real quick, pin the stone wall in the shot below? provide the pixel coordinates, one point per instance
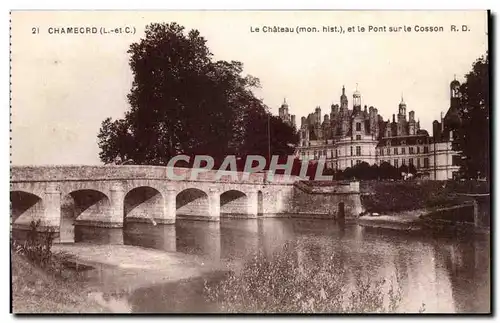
(321, 204)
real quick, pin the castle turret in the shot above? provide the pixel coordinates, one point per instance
(318, 115)
(343, 102)
(412, 129)
(335, 110)
(402, 110)
(356, 97)
(454, 91)
(283, 110)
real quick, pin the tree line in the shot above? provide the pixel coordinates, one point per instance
(473, 135)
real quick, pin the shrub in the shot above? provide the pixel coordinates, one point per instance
(282, 284)
(37, 246)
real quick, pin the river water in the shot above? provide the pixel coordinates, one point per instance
(436, 273)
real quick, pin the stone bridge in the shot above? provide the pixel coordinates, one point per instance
(108, 196)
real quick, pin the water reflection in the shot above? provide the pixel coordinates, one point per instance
(98, 235)
(447, 274)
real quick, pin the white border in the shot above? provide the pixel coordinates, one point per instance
(192, 5)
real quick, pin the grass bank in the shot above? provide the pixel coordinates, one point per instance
(385, 197)
(37, 290)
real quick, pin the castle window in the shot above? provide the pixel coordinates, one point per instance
(403, 161)
(410, 161)
(358, 162)
(426, 149)
(418, 162)
(411, 150)
(396, 163)
(382, 152)
(358, 151)
(336, 152)
(418, 149)
(426, 162)
(358, 137)
(358, 126)
(351, 163)
(388, 151)
(395, 150)
(403, 150)
(351, 150)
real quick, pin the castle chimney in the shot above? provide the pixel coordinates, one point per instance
(394, 118)
(442, 123)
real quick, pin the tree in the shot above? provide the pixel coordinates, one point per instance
(184, 102)
(387, 171)
(116, 141)
(472, 137)
(268, 132)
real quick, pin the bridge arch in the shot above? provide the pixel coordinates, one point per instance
(233, 203)
(81, 206)
(192, 202)
(143, 204)
(25, 207)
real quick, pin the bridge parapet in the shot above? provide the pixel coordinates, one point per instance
(82, 173)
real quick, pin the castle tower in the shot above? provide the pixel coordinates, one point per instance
(402, 110)
(283, 111)
(454, 92)
(343, 102)
(412, 129)
(335, 111)
(317, 115)
(452, 120)
(356, 100)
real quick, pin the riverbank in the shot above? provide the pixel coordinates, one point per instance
(389, 197)
(404, 220)
(34, 290)
(110, 273)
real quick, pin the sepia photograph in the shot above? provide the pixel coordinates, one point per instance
(250, 162)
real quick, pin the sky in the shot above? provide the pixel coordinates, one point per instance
(65, 85)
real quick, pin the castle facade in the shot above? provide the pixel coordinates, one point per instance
(348, 136)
